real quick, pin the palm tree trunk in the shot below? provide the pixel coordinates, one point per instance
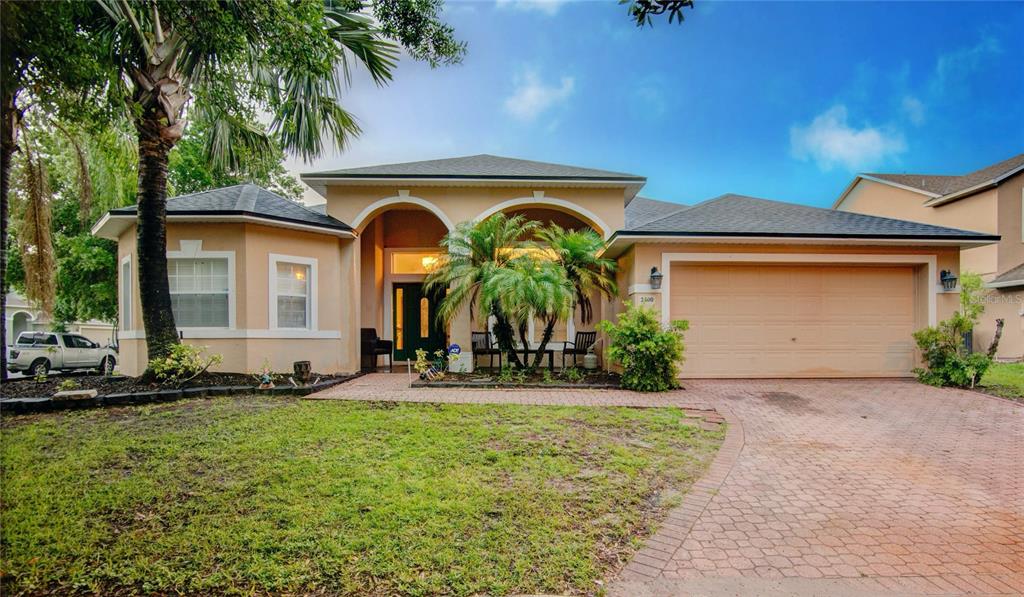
(549, 330)
(503, 334)
(154, 290)
(11, 120)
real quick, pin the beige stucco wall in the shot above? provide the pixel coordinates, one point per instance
(1006, 304)
(460, 204)
(994, 211)
(336, 301)
(1011, 245)
(978, 213)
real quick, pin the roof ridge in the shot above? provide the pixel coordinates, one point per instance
(687, 208)
(247, 197)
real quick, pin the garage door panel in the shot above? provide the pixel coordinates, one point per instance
(786, 320)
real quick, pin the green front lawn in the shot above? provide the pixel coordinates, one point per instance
(1005, 379)
(268, 495)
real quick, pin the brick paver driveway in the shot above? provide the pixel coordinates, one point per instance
(851, 487)
(871, 487)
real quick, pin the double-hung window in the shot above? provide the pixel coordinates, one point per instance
(293, 292)
(199, 292)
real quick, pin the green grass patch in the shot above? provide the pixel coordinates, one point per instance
(269, 495)
(1005, 379)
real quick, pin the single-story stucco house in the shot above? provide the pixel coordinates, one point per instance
(771, 289)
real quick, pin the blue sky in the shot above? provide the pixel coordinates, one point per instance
(778, 100)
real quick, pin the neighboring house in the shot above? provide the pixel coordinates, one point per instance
(770, 288)
(989, 200)
(22, 316)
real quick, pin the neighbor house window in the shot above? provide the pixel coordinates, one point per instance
(199, 292)
(126, 293)
(292, 292)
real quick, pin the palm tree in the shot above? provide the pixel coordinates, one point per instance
(531, 286)
(222, 62)
(475, 251)
(577, 251)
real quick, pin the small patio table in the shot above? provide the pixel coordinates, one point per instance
(550, 352)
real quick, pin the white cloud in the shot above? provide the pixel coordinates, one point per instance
(952, 69)
(829, 140)
(914, 109)
(532, 96)
(547, 7)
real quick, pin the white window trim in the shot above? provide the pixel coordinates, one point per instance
(929, 261)
(193, 249)
(311, 299)
(126, 317)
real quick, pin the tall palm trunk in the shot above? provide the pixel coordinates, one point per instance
(11, 120)
(154, 289)
(161, 93)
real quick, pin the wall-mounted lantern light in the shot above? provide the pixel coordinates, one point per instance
(656, 277)
(948, 279)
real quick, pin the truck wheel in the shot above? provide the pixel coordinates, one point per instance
(107, 366)
(40, 367)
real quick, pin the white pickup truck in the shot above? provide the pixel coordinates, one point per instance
(37, 353)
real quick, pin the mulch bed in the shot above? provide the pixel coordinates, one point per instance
(28, 395)
(490, 379)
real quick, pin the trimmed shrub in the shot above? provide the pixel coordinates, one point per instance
(947, 361)
(649, 353)
(185, 363)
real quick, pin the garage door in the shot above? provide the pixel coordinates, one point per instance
(795, 321)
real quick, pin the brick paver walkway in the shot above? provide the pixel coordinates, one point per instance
(852, 487)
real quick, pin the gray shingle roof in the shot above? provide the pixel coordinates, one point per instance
(1012, 277)
(948, 185)
(244, 200)
(478, 166)
(736, 215)
(642, 210)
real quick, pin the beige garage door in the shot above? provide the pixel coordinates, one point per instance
(795, 321)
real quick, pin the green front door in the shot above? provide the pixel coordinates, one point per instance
(415, 321)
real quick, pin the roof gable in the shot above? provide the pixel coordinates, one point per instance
(946, 188)
(642, 210)
(482, 166)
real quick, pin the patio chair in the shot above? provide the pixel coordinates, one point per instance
(579, 346)
(482, 347)
(371, 346)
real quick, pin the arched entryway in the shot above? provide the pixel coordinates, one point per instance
(21, 321)
(399, 243)
(564, 330)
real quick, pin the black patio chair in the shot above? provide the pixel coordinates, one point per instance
(371, 346)
(580, 346)
(482, 347)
